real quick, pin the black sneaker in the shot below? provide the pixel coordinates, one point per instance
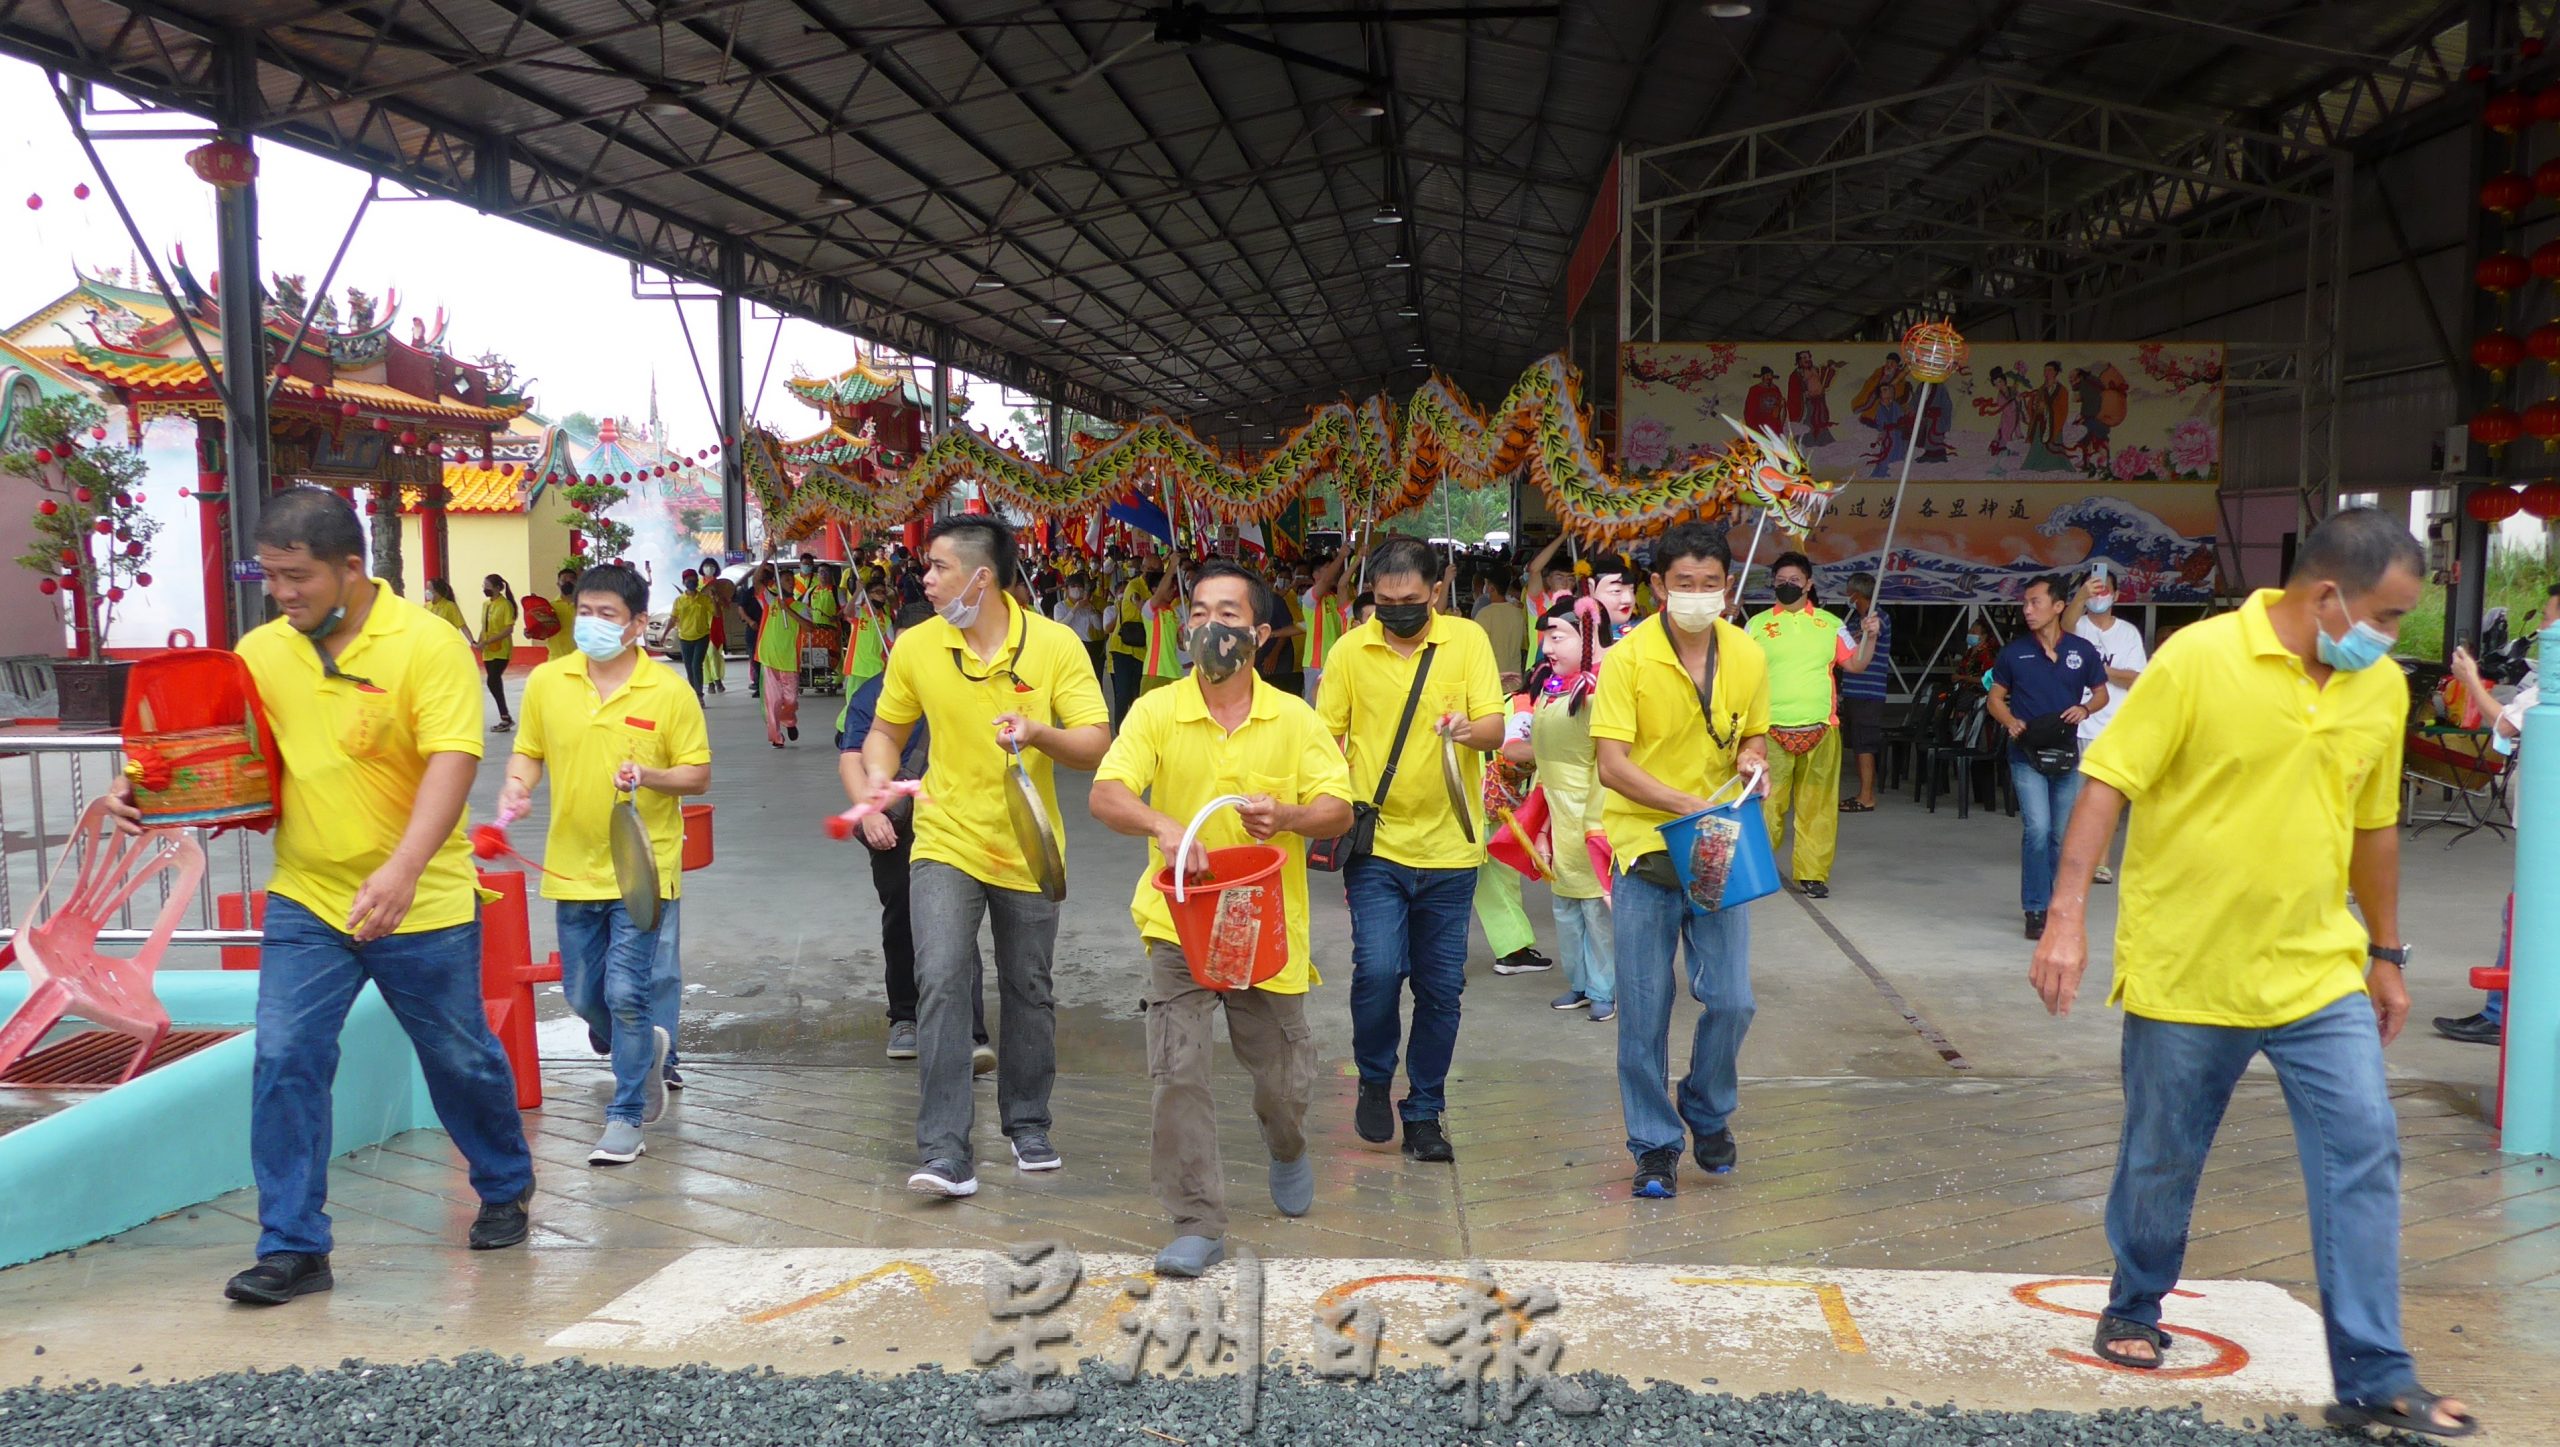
(1424, 1140)
(1815, 889)
(2035, 924)
(2471, 1029)
(1522, 961)
(501, 1224)
(1658, 1174)
(791, 732)
(1716, 1154)
(280, 1278)
(1375, 1119)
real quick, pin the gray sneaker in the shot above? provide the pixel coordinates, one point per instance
(902, 1039)
(620, 1145)
(1032, 1152)
(653, 1098)
(982, 1059)
(943, 1178)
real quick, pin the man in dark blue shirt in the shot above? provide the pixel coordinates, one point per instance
(889, 835)
(2042, 685)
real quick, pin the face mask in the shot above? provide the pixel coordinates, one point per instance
(597, 638)
(2362, 648)
(960, 612)
(1218, 649)
(1404, 620)
(1789, 594)
(2102, 606)
(1692, 612)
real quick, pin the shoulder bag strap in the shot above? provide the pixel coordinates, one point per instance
(1412, 701)
(1707, 690)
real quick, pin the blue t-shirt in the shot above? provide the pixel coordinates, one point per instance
(1872, 683)
(860, 712)
(2038, 685)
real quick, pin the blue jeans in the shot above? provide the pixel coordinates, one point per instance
(2044, 809)
(2178, 1079)
(666, 976)
(608, 971)
(1651, 924)
(694, 651)
(2495, 1011)
(1407, 924)
(1582, 940)
(308, 976)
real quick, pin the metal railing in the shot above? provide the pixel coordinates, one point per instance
(48, 776)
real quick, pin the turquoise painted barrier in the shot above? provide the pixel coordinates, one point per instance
(179, 1136)
(2532, 1124)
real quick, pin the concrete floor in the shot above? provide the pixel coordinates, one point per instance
(1909, 1110)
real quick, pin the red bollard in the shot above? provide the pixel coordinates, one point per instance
(235, 911)
(507, 977)
(2488, 977)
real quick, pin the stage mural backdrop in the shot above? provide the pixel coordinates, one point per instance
(2036, 457)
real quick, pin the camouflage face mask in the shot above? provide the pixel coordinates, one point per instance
(1218, 649)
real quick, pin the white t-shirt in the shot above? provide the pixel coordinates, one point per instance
(2119, 646)
(1082, 616)
(2512, 716)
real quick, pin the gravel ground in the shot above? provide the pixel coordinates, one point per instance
(481, 1401)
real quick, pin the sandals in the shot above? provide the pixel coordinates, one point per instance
(2115, 1329)
(1852, 806)
(2397, 1416)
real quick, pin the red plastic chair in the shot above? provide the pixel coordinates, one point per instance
(70, 975)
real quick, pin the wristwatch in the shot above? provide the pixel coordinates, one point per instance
(2389, 954)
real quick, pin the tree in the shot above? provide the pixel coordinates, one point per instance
(588, 502)
(93, 538)
(580, 426)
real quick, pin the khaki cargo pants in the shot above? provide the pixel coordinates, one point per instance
(1272, 1042)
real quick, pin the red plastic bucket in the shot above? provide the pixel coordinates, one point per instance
(697, 837)
(1234, 923)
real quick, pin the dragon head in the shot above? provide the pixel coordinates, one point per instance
(1772, 474)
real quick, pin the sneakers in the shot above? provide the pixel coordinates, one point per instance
(1293, 1185)
(1814, 888)
(280, 1278)
(675, 1078)
(501, 1224)
(2035, 924)
(1190, 1256)
(902, 1039)
(791, 732)
(1569, 1000)
(653, 1096)
(943, 1178)
(1424, 1140)
(982, 1059)
(502, 726)
(620, 1145)
(1716, 1153)
(1603, 1011)
(1032, 1152)
(2471, 1029)
(1522, 961)
(1375, 1117)
(1658, 1174)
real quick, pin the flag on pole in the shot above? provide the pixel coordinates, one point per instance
(1142, 513)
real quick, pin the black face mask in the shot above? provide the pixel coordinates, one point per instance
(1404, 620)
(1789, 594)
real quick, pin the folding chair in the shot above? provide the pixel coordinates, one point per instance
(59, 947)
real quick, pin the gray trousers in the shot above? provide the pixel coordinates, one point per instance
(945, 906)
(1271, 1040)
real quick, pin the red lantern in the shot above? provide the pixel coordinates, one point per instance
(185, 492)
(224, 164)
(408, 439)
(381, 424)
(143, 578)
(2541, 499)
(99, 433)
(46, 586)
(2497, 353)
(80, 494)
(2501, 273)
(48, 507)
(2495, 426)
(115, 595)
(2544, 342)
(2507, 112)
(2506, 193)
(69, 557)
(2493, 505)
(2542, 423)
(44, 455)
(347, 409)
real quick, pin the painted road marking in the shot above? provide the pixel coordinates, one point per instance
(1995, 1337)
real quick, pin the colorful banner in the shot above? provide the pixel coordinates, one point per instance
(2035, 457)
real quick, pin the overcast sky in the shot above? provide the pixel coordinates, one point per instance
(562, 313)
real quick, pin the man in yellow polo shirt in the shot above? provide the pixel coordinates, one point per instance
(1223, 731)
(1413, 889)
(2264, 748)
(694, 610)
(1681, 718)
(985, 670)
(376, 711)
(1127, 622)
(1804, 644)
(608, 720)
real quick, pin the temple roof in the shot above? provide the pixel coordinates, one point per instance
(834, 446)
(180, 378)
(863, 383)
(89, 291)
(501, 487)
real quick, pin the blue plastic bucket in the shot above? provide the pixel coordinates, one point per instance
(1722, 855)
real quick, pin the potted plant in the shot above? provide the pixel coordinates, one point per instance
(93, 541)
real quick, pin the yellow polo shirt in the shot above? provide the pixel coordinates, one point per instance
(1130, 609)
(693, 612)
(653, 720)
(1361, 699)
(2249, 783)
(1647, 701)
(354, 755)
(1041, 671)
(1171, 750)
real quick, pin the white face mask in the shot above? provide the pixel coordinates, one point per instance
(960, 612)
(1692, 612)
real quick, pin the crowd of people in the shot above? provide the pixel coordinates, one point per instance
(1352, 714)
